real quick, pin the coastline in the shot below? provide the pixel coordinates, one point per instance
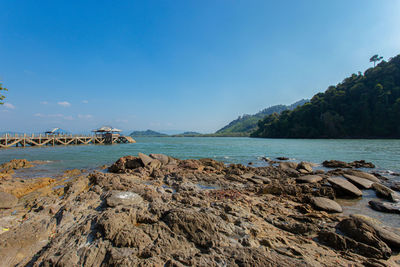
(208, 211)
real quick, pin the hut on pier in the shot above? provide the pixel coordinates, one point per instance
(109, 133)
(56, 131)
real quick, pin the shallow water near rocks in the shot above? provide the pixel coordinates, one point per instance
(385, 154)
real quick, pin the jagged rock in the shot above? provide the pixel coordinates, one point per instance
(389, 237)
(344, 187)
(364, 233)
(385, 206)
(7, 201)
(304, 166)
(16, 164)
(123, 198)
(145, 159)
(326, 204)
(345, 243)
(385, 192)
(126, 163)
(309, 179)
(359, 182)
(364, 175)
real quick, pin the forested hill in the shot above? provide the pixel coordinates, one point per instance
(362, 106)
(248, 123)
(146, 133)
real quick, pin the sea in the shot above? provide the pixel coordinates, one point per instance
(385, 154)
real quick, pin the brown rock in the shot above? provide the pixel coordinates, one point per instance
(344, 187)
(309, 179)
(7, 201)
(364, 175)
(161, 157)
(326, 204)
(123, 198)
(359, 182)
(386, 192)
(304, 166)
(287, 165)
(145, 159)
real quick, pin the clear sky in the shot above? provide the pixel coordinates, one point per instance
(179, 65)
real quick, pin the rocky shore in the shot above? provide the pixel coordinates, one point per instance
(155, 210)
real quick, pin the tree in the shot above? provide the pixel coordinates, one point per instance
(375, 58)
(1, 95)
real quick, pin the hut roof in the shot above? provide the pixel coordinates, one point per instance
(106, 129)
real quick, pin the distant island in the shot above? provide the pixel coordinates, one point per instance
(147, 133)
(362, 106)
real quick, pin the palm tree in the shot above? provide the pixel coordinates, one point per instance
(375, 58)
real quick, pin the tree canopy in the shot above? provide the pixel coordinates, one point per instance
(362, 106)
(2, 97)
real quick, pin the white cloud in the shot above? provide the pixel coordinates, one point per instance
(88, 116)
(9, 106)
(64, 104)
(69, 118)
(44, 102)
(85, 102)
(58, 115)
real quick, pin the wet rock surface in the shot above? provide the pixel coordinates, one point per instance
(155, 210)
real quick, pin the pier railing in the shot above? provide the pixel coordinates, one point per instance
(24, 140)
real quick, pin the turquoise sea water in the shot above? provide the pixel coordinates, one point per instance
(385, 154)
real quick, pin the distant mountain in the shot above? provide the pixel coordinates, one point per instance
(187, 134)
(146, 133)
(246, 124)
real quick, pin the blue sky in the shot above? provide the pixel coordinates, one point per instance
(179, 65)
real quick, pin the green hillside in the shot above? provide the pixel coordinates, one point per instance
(246, 124)
(362, 106)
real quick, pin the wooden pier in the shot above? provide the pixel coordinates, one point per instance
(25, 140)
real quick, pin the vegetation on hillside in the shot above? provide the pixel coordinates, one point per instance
(246, 124)
(362, 106)
(146, 133)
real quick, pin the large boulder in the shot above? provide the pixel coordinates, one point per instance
(125, 198)
(309, 179)
(288, 165)
(145, 159)
(385, 206)
(344, 187)
(161, 157)
(125, 163)
(7, 201)
(326, 204)
(306, 166)
(364, 175)
(386, 192)
(359, 182)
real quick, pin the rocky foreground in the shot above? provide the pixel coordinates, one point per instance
(160, 211)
